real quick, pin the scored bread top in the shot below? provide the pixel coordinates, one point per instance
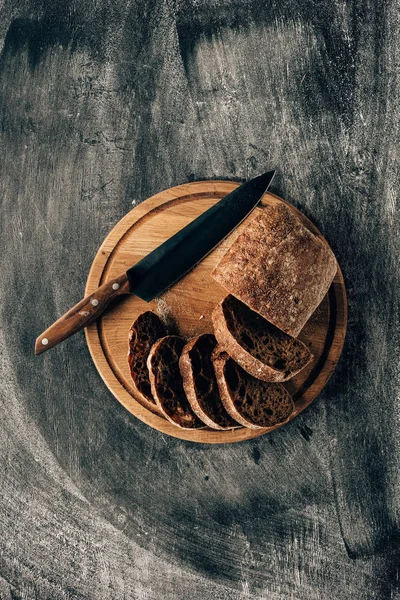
(166, 382)
(278, 268)
(200, 383)
(144, 332)
(259, 347)
(253, 403)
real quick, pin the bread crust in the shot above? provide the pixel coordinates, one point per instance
(214, 416)
(278, 268)
(250, 363)
(166, 383)
(229, 396)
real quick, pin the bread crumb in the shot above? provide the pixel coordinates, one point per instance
(163, 310)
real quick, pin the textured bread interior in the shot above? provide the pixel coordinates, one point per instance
(263, 340)
(145, 331)
(261, 403)
(167, 381)
(205, 382)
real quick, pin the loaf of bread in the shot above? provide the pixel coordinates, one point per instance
(253, 403)
(144, 332)
(166, 382)
(259, 347)
(278, 268)
(200, 384)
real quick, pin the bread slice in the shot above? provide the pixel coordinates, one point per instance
(278, 268)
(166, 382)
(259, 347)
(253, 403)
(144, 332)
(200, 384)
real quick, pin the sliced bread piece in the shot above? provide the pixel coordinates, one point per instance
(253, 403)
(166, 382)
(200, 384)
(278, 268)
(144, 332)
(259, 347)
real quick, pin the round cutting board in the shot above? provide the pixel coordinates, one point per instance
(189, 303)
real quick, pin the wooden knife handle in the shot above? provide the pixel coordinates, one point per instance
(82, 314)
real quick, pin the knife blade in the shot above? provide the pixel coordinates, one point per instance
(165, 265)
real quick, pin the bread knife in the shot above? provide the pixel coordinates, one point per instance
(165, 265)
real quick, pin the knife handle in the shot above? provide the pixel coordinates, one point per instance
(82, 314)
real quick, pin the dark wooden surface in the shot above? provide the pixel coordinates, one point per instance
(102, 105)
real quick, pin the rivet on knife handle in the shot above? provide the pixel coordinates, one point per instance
(82, 314)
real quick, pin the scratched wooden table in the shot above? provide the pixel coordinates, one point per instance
(102, 105)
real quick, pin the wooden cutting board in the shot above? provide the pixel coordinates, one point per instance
(189, 304)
